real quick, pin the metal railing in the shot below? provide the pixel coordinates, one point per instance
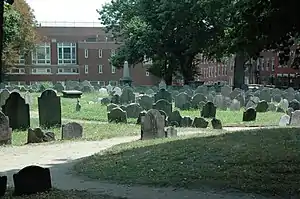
(69, 24)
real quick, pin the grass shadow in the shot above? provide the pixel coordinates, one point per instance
(264, 161)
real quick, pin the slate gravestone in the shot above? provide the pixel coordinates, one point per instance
(49, 109)
(197, 98)
(262, 106)
(163, 94)
(181, 100)
(3, 185)
(225, 91)
(249, 115)
(216, 123)
(163, 105)
(127, 96)
(162, 85)
(186, 122)
(200, 122)
(105, 101)
(17, 111)
(71, 130)
(174, 119)
(153, 124)
(295, 104)
(209, 110)
(32, 180)
(133, 110)
(4, 94)
(110, 107)
(5, 130)
(115, 99)
(146, 102)
(117, 115)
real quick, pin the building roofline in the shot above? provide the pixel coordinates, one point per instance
(70, 24)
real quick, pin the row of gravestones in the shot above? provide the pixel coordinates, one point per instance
(29, 180)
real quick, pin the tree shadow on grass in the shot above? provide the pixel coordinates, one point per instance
(264, 161)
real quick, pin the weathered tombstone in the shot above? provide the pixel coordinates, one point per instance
(271, 107)
(197, 98)
(295, 104)
(32, 180)
(38, 136)
(153, 124)
(49, 109)
(59, 87)
(133, 110)
(105, 101)
(284, 120)
(162, 85)
(163, 94)
(17, 111)
(117, 115)
(4, 94)
(175, 118)
(225, 91)
(181, 100)
(146, 102)
(5, 130)
(171, 132)
(295, 119)
(163, 105)
(209, 110)
(127, 96)
(71, 130)
(216, 123)
(235, 105)
(262, 106)
(249, 115)
(110, 107)
(186, 122)
(3, 185)
(200, 122)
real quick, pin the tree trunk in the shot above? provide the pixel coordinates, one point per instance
(187, 70)
(239, 71)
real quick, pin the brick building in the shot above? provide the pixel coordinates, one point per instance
(74, 53)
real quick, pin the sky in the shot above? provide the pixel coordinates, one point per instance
(66, 10)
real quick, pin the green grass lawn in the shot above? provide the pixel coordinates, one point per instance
(58, 194)
(261, 161)
(90, 131)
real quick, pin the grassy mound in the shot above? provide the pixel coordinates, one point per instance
(261, 161)
(58, 194)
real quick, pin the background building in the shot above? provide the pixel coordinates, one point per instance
(74, 53)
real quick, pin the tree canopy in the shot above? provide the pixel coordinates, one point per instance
(172, 33)
(20, 33)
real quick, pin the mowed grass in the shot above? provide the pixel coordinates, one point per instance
(261, 161)
(58, 194)
(91, 131)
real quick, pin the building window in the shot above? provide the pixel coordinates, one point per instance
(21, 60)
(273, 64)
(100, 69)
(68, 71)
(16, 71)
(66, 53)
(86, 53)
(113, 83)
(42, 54)
(41, 71)
(262, 64)
(147, 73)
(86, 69)
(112, 52)
(101, 83)
(100, 53)
(113, 69)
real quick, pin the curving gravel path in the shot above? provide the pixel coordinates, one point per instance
(61, 157)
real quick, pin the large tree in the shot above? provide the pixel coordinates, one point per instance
(171, 33)
(20, 34)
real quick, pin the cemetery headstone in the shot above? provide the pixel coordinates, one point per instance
(284, 120)
(117, 115)
(133, 110)
(186, 122)
(171, 132)
(17, 111)
(37, 135)
(3, 185)
(163, 105)
(262, 106)
(4, 94)
(49, 106)
(71, 130)
(216, 123)
(153, 124)
(5, 130)
(32, 180)
(175, 118)
(146, 102)
(209, 110)
(249, 115)
(163, 94)
(295, 119)
(200, 122)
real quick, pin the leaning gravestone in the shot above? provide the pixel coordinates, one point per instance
(117, 115)
(153, 124)
(5, 130)
(249, 115)
(17, 111)
(32, 180)
(209, 110)
(49, 109)
(71, 130)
